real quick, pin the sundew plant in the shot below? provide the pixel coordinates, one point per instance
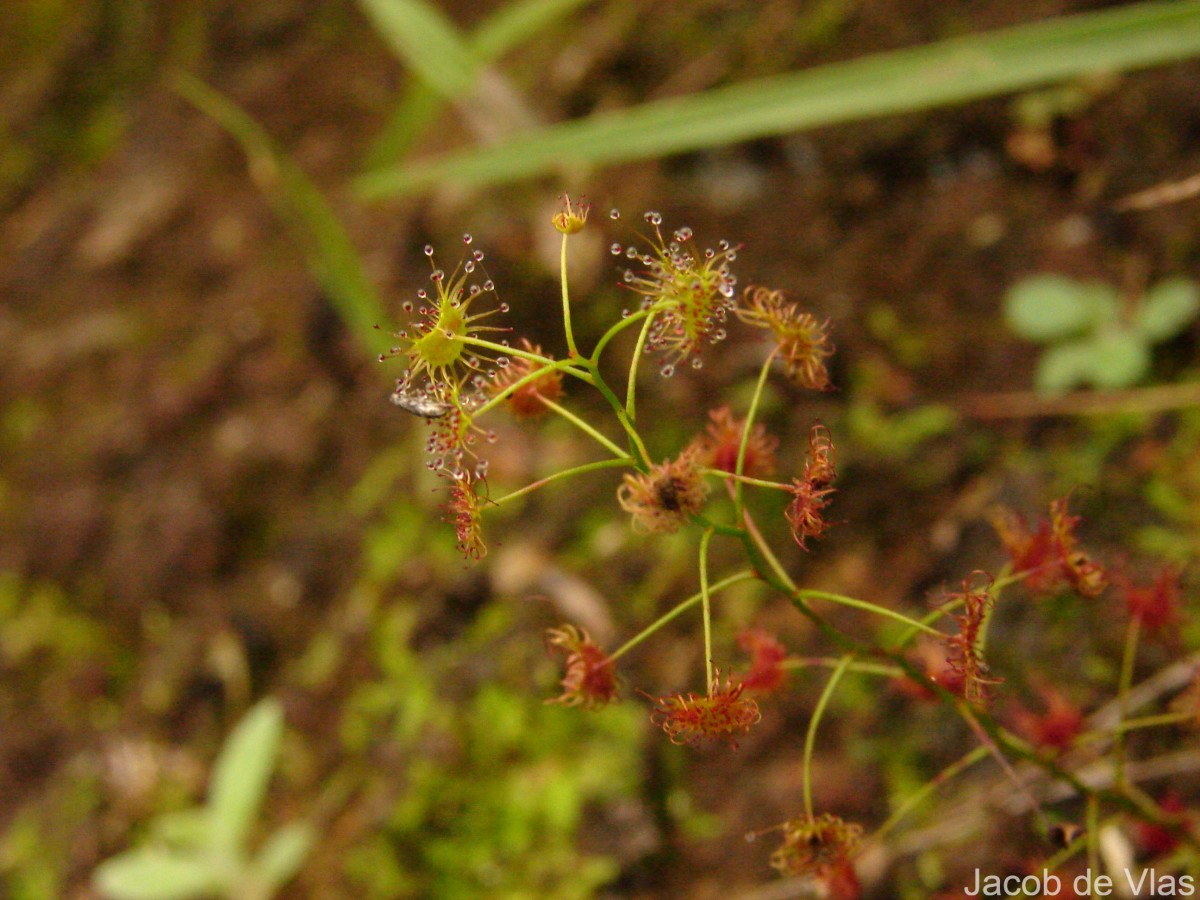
(461, 365)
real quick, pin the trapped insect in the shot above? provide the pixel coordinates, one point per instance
(420, 404)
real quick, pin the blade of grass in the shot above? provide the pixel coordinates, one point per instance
(947, 72)
(516, 23)
(331, 257)
(427, 42)
(510, 27)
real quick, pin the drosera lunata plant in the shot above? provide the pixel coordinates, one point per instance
(686, 301)
(204, 851)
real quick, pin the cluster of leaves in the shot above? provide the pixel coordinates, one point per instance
(202, 852)
(1091, 338)
(496, 785)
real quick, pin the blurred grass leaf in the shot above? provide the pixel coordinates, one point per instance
(947, 72)
(300, 205)
(505, 29)
(241, 773)
(422, 36)
(515, 23)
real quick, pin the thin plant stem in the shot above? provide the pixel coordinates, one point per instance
(1123, 687)
(831, 662)
(746, 429)
(928, 619)
(944, 609)
(634, 361)
(515, 386)
(565, 473)
(572, 353)
(1127, 725)
(746, 479)
(867, 606)
(635, 439)
(919, 796)
(584, 427)
(1093, 832)
(1173, 718)
(767, 554)
(810, 739)
(616, 329)
(968, 715)
(679, 608)
(707, 609)
(563, 365)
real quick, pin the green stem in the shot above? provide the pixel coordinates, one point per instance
(504, 350)
(988, 741)
(927, 620)
(1123, 687)
(565, 473)
(635, 360)
(830, 662)
(867, 606)
(613, 331)
(585, 428)
(1155, 721)
(810, 739)
(944, 609)
(746, 479)
(745, 442)
(1128, 725)
(707, 610)
(755, 539)
(918, 797)
(1093, 832)
(635, 439)
(679, 608)
(515, 386)
(566, 302)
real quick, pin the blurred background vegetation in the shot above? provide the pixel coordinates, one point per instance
(206, 499)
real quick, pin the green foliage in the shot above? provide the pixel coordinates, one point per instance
(497, 808)
(332, 258)
(1091, 341)
(202, 852)
(944, 73)
(424, 96)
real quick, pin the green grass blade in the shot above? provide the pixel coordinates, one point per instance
(947, 72)
(512, 26)
(419, 106)
(427, 42)
(300, 205)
